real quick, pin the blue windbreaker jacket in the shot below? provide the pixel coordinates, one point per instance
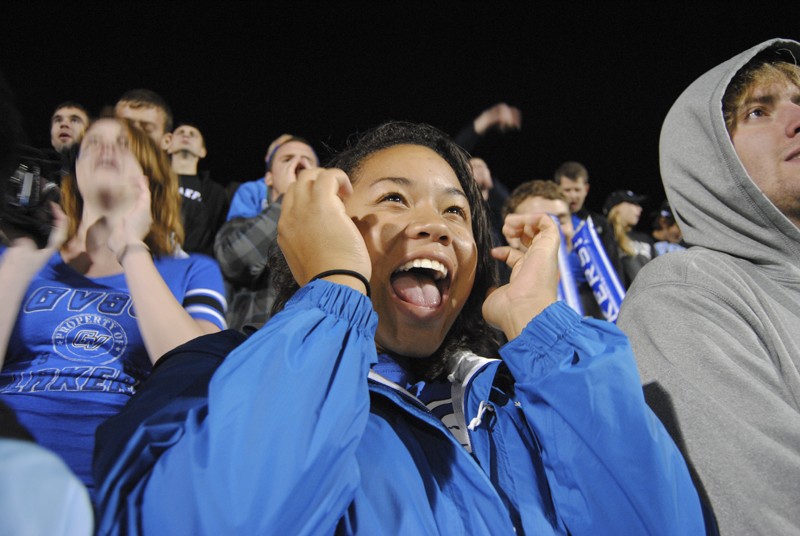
(295, 436)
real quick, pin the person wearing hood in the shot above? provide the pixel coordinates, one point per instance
(716, 328)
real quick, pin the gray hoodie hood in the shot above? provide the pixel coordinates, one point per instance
(716, 203)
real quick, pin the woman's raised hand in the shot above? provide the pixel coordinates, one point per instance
(534, 273)
(135, 225)
(314, 231)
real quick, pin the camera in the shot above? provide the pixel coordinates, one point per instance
(27, 193)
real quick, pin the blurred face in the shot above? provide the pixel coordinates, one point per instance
(67, 127)
(555, 207)
(106, 169)
(672, 233)
(152, 120)
(628, 213)
(767, 140)
(189, 139)
(482, 176)
(287, 162)
(417, 225)
(576, 191)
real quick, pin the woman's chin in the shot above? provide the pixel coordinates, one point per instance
(112, 199)
(410, 347)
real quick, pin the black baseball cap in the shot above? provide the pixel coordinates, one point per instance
(664, 211)
(622, 196)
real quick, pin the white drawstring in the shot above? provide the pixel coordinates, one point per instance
(483, 407)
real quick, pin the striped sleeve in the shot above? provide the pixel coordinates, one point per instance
(205, 292)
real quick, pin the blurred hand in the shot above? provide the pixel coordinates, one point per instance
(26, 254)
(135, 225)
(501, 116)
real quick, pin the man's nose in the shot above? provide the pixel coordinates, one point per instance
(793, 119)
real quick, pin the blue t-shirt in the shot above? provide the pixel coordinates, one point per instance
(76, 354)
(663, 247)
(249, 201)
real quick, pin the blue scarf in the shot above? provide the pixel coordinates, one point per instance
(601, 276)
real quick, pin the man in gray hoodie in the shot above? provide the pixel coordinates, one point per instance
(716, 328)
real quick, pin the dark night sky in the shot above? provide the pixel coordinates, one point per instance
(593, 83)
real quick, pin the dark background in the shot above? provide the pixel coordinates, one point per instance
(593, 82)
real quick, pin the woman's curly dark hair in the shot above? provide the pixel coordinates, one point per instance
(469, 331)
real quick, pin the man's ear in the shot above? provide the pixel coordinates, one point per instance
(203, 152)
(268, 178)
(166, 140)
(587, 188)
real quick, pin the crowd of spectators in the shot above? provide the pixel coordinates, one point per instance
(395, 341)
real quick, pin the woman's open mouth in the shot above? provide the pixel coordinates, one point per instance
(421, 282)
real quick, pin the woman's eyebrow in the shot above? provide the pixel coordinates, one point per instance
(455, 191)
(402, 181)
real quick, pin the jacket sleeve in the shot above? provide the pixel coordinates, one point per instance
(242, 245)
(467, 138)
(246, 201)
(611, 466)
(286, 411)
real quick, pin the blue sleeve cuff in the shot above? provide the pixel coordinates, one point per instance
(339, 301)
(541, 345)
(546, 329)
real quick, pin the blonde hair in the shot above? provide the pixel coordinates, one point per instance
(748, 80)
(536, 188)
(166, 232)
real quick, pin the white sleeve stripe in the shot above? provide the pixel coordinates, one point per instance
(208, 292)
(202, 309)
